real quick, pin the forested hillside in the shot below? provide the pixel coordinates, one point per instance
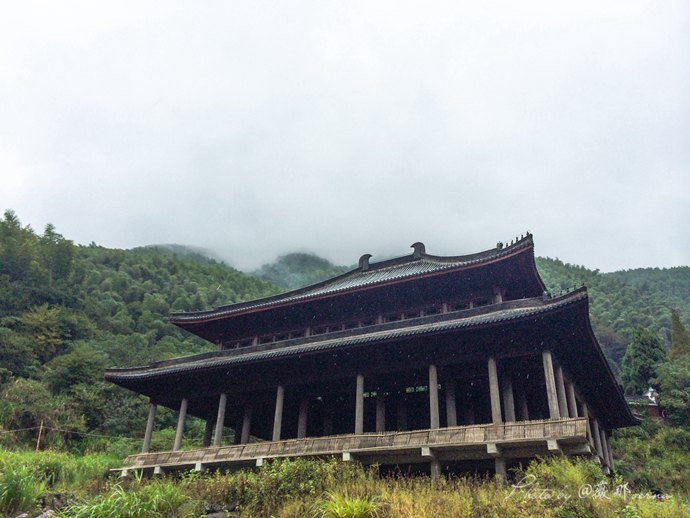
(67, 312)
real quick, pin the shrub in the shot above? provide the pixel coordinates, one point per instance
(344, 506)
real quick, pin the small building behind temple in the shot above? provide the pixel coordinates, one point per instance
(439, 364)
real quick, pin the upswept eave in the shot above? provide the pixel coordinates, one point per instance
(377, 274)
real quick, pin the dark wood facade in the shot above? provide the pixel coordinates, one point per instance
(472, 345)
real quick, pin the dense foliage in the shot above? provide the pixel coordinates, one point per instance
(67, 312)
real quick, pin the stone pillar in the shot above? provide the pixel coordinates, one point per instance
(359, 405)
(208, 432)
(180, 424)
(302, 418)
(380, 413)
(597, 439)
(434, 419)
(246, 424)
(401, 412)
(560, 391)
(508, 398)
(494, 392)
(220, 419)
(451, 409)
(149, 429)
(572, 402)
(554, 412)
(524, 410)
(278, 415)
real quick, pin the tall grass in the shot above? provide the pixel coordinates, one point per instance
(19, 489)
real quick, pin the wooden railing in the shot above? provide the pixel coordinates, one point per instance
(523, 431)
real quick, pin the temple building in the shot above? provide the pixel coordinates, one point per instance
(441, 364)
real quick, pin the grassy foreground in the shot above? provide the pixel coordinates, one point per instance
(557, 487)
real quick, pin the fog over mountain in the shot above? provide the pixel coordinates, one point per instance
(258, 128)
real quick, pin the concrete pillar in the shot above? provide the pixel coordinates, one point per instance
(451, 409)
(435, 469)
(572, 402)
(560, 392)
(327, 423)
(434, 419)
(610, 450)
(149, 428)
(467, 407)
(220, 419)
(380, 413)
(246, 424)
(302, 418)
(401, 412)
(359, 405)
(500, 468)
(180, 424)
(208, 432)
(522, 401)
(494, 392)
(597, 439)
(585, 414)
(508, 398)
(554, 412)
(278, 415)
(604, 447)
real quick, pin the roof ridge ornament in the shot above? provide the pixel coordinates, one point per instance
(419, 250)
(364, 262)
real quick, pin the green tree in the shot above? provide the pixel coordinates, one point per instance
(673, 379)
(680, 338)
(642, 358)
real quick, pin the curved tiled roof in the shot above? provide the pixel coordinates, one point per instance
(486, 315)
(392, 270)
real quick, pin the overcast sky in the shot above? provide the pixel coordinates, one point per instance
(257, 128)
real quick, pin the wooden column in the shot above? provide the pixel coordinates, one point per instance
(278, 415)
(494, 392)
(401, 412)
(551, 396)
(302, 418)
(180, 424)
(508, 398)
(246, 424)
(380, 413)
(560, 391)
(434, 419)
(359, 405)
(208, 432)
(220, 419)
(451, 408)
(149, 429)
(572, 402)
